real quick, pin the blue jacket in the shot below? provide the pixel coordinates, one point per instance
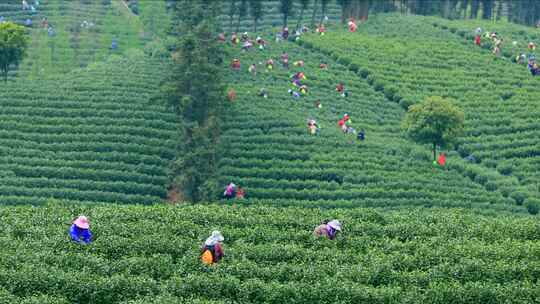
(77, 234)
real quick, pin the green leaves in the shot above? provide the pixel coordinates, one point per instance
(13, 44)
(435, 121)
(270, 255)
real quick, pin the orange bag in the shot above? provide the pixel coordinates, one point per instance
(207, 257)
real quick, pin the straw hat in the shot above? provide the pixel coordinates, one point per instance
(82, 222)
(335, 224)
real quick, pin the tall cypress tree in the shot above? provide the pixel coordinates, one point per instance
(195, 91)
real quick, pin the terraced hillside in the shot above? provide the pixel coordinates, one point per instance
(266, 147)
(88, 134)
(408, 59)
(74, 43)
(91, 135)
(408, 256)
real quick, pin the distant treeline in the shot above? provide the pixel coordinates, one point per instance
(525, 12)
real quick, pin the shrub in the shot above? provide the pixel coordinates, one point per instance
(533, 205)
(519, 197)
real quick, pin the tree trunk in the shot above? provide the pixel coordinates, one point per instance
(446, 9)
(363, 10)
(300, 19)
(474, 8)
(315, 8)
(238, 23)
(343, 12)
(487, 7)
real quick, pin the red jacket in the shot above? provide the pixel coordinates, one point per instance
(477, 40)
(442, 159)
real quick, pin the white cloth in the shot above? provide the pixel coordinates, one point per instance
(215, 238)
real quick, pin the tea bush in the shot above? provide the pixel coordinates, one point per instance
(266, 149)
(151, 255)
(497, 95)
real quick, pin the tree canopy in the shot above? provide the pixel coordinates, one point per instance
(435, 121)
(13, 45)
(196, 92)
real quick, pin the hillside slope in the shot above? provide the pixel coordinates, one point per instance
(77, 120)
(91, 135)
(408, 59)
(266, 147)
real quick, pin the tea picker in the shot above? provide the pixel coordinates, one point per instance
(230, 191)
(328, 229)
(80, 230)
(212, 249)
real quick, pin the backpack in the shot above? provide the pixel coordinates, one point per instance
(207, 257)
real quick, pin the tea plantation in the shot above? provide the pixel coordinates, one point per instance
(150, 255)
(84, 134)
(409, 58)
(84, 130)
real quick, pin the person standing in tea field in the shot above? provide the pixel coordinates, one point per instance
(285, 33)
(352, 25)
(230, 191)
(235, 65)
(80, 230)
(285, 60)
(498, 45)
(328, 229)
(231, 95)
(234, 38)
(212, 249)
(442, 159)
(270, 64)
(253, 69)
(477, 36)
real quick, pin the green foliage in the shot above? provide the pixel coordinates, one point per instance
(422, 255)
(265, 148)
(13, 44)
(436, 121)
(533, 205)
(195, 90)
(89, 135)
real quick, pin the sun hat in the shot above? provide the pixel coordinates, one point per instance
(215, 238)
(335, 224)
(82, 222)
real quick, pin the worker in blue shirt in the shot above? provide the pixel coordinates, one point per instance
(80, 230)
